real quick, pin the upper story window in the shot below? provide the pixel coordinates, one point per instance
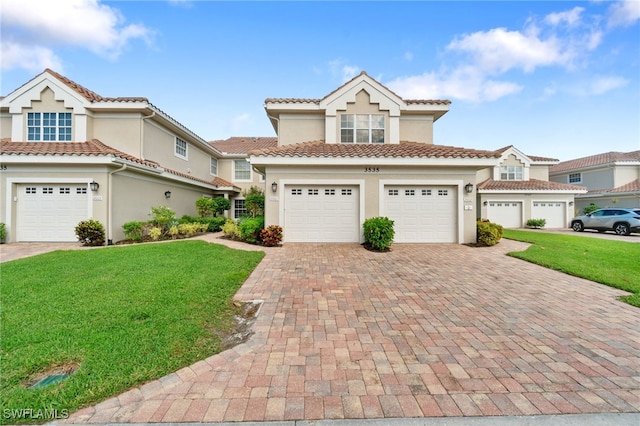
(241, 170)
(181, 148)
(511, 173)
(575, 177)
(49, 126)
(362, 128)
(214, 166)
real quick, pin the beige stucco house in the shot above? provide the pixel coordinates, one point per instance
(612, 179)
(68, 154)
(234, 165)
(363, 151)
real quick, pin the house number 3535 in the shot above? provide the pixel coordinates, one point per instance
(371, 170)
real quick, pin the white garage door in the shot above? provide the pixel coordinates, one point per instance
(507, 214)
(552, 212)
(316, 213)
(422, 214)
(50, 212)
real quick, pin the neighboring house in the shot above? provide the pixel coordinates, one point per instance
(235, 166)
(612, 179)
(363, 151)
(518, 189)
(68, 154)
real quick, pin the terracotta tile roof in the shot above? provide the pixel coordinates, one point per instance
(242, 145)
(596, 160)
(527, 185)
(90, 95)
(317, 101)
(320, 149)
(531, 157)
(633, 186)
(90, 148)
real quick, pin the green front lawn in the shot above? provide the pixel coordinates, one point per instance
(614, 263)
(123, 315)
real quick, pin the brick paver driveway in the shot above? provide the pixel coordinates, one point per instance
(426, 330)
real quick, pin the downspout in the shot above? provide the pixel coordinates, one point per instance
(110, 203)
(144, 117)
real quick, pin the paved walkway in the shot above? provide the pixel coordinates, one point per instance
(422, 331)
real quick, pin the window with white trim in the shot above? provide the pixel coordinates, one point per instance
(213, 166)
(511, 173)
(241, 170)
(239, 209)
(181, 148)
(575, 177)
(362, 128)
(49, 126)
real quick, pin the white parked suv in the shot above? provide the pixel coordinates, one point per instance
(620, 221)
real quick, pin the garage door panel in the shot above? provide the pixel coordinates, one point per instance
(553, 212)
(422, 214)
(321, 213)
(505, 213)
(50, 212)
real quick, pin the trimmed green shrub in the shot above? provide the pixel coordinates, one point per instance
(133, 231)
(3, 232)
(250, 229)
(230, 229)
(536, 223)
(162, 217)
(90, 233)
(378, 232)
(214, 224)
(590, 208)
(488, 234)
(271, 236)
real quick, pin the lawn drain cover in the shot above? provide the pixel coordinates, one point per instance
(50, 380)
(53, 376)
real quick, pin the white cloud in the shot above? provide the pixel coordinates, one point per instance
(465, 84)
(478, 62)
(623, 13)
(602, 85)
(408, 56)
(570, 17)
(41, 25)
(33, 59)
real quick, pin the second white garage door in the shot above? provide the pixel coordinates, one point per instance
(321, 214)
(552, 212)
(422, 214)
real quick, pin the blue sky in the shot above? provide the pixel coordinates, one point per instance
(557, 79)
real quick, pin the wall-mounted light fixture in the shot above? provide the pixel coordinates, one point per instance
(94, 186)
(570, 203)
(274, 187)
(468, 188)
(167, 194)
(485, 203)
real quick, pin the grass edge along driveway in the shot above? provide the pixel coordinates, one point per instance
(609, 262)
(123, 315)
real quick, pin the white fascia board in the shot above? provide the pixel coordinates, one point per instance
(292, 106)
(605, 166)
(530, 191)
(382, 161)
(55, 159)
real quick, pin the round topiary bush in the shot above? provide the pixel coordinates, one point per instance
(90, 233)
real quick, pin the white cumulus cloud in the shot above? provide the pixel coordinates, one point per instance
(40, 26)
(623, 13)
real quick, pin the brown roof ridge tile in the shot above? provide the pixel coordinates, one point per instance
(90, 95)
(596, 160)
(527, 185)
(362, 73)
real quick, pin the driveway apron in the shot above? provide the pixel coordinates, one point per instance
(421, 331)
